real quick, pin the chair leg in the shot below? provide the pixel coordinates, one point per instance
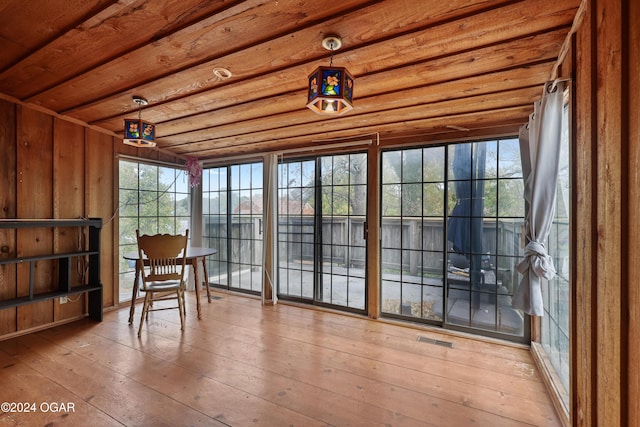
(149, 304)
(145, 312)
(181, 308)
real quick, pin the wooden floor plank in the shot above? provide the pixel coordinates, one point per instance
(187, 368)
(341, 356)
(123, 398)
(164, 395)
(463, 341)
(238, 372)
(245, 364)
(43, 401)
(462, 364)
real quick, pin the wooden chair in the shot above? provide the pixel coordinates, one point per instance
(164, 257)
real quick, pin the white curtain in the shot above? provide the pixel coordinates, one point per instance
(269, 236)
(540, 152)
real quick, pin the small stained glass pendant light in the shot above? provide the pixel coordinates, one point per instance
(137, 132)
(330, 88)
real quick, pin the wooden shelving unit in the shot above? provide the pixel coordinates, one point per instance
(93, 287)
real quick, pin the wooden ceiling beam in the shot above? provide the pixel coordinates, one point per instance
(414, 63)
(252, 129)
(101, 39)
(513, 54)
(398, 118)
(202, 46)
(478, 120)
(272, 115)
(20, 36)
(289, 59)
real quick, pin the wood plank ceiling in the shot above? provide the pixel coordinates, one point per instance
(421, 67)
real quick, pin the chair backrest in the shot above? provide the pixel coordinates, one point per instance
(164, 256)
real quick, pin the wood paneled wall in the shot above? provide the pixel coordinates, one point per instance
(632, 71)
(8, 318)
(606, 308)
(52, 168)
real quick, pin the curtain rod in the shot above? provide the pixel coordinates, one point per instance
(564, 49)
(257, 156)
(325, 146)
(149, 161)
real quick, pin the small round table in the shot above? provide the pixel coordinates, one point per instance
(194, 253)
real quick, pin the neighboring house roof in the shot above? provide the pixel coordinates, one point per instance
(249, 207)
(294, 207)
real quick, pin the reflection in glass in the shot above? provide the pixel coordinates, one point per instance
(321, 248)
(433, 164)
(149, 200)
(412, 199)
(452, 261)
(232, 223)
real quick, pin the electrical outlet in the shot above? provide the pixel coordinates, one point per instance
(64, 300)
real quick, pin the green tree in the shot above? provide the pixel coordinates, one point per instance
(344, 181)
(149, 202)
(413, 182)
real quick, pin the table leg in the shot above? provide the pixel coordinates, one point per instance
(134, 293)
(206, 278)
(196, 279)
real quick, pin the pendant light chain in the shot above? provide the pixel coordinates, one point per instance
(331, 56)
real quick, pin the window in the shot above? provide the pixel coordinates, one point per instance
(452, 219)
(232, 223)
(322, 208)
(154, 199)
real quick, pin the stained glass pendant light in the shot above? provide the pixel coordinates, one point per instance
(137, 132)
(330, 88)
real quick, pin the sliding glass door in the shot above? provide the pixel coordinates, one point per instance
(452, 218)
(412, 233)
(232, 224)
(321, 222)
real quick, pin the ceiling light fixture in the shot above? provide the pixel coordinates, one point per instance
(222, 73)
(330, 88)
(137, 132)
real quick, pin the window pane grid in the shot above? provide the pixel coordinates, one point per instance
(233, 221)
(150, 200)
(322, 209)
(427, 263)
(296, 233)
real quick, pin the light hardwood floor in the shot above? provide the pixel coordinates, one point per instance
(243, 364)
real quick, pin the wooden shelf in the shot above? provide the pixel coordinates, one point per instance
(14, 302)
(33, 223)
(65, 288)
(43, 257)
